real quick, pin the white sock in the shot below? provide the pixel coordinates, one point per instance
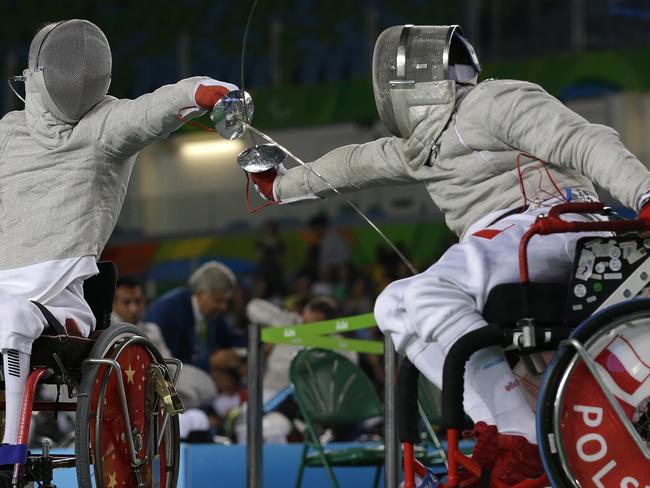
(16, 370)
(492, 393)
(430, 362)
(491, 379)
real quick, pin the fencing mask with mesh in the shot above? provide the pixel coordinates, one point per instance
(412, 64)
(71, 64)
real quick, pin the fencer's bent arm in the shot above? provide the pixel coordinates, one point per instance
(131, 125)
(348, 168)
(526, 117)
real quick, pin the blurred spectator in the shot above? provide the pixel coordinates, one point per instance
(334, 251)
(357, 300)
(316, 228)
(236, 315)
(191, 318)
(270, 251)
(326, 249)
(276, 426)
(195, 388)
(276, 374)
(129, 306)
(226, 371)
(299, 293)
(197, 391)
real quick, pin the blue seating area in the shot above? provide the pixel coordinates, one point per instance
(203, 463)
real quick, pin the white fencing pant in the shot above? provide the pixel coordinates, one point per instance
(427, 313)
(21, 322)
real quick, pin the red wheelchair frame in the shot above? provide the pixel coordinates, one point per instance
(97, 371)
(454, 366)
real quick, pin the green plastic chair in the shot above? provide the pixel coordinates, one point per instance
(331, 390)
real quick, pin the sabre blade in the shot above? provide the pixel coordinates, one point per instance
(404, 259)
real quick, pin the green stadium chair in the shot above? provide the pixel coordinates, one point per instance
(331, 390)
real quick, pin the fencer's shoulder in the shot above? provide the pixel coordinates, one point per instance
(106, 104)
(496, 87)
(503, 90)
(13, 117)
(11, 123)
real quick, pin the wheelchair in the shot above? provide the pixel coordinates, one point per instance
(123, 396)
(593, 406)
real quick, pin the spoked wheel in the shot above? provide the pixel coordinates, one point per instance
(106, 448)
(585, 442)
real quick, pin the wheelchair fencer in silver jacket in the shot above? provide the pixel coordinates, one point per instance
(65, 163)
(493, 156)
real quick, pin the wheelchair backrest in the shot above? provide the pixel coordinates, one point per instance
(99, 292)
(605, 270)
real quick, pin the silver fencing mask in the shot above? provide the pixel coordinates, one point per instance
(408, 55)
(75, 60)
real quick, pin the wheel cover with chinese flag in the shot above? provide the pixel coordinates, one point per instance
(599, 451)
(113, 448)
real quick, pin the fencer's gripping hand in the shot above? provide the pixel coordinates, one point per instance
(208, 92)
(266, 181)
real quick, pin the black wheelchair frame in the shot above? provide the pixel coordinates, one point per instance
(133, 431)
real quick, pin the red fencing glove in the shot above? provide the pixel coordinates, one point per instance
(644, 213)
(264, 181)
(209, 92)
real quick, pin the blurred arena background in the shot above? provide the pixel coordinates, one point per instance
(307, 65)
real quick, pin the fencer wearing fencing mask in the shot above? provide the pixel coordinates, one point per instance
(419, 66)
(477, 149)
(70, 66)
(460, 138)
(65, 163)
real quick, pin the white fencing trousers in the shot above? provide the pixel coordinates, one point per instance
(427, 313)
(21, 322)
(57, 284)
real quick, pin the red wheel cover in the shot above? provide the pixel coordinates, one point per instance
(599, 450)
(114, 449)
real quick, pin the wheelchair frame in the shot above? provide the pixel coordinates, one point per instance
(527, 337)
(84, 383)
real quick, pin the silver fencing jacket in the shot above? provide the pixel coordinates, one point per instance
(465, 153)
(62, 185)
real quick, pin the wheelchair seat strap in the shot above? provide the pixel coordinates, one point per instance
(51, 319)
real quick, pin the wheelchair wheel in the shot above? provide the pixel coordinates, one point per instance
(584, 442)
(102, 444)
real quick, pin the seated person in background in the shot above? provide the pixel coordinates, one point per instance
(129, 305)
(195, 387)
(226, 370)
(276, 373)
(275, 425)
(191, 317)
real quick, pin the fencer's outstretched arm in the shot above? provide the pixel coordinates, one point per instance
(348, 168)
(131, 125)
(526, 117)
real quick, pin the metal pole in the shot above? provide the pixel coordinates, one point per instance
(254, 410)
(391, 451)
